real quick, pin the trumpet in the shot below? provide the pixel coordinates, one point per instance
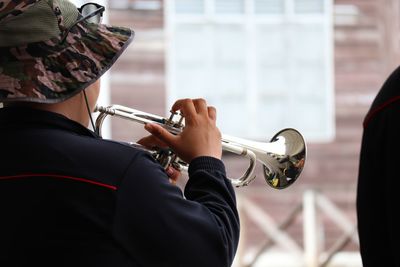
(283, 158)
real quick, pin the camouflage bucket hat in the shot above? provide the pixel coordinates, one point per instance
(49, 53)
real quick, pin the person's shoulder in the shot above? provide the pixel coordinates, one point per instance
(109, 158)
(115, 147)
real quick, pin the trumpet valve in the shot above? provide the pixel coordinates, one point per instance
(179, 124)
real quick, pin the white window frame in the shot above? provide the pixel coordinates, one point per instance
(250, 21)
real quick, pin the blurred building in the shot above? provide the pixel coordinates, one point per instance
(365, 49)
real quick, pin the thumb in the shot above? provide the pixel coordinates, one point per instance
(160, 133)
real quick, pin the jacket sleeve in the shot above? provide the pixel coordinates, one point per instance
(378, 195)
(159, 226)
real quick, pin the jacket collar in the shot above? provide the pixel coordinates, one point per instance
(23, 117)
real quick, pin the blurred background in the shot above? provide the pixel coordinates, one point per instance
(314, 65)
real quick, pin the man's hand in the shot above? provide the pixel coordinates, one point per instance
(151, 142)
(200, 137)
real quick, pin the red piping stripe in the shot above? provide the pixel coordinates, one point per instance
(59, 176)
(372, 113)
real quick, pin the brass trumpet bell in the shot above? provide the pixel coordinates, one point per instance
(287, 166)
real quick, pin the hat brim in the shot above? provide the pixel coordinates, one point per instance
(53, 71)
(9, 9)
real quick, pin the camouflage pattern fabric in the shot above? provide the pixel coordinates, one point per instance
(12, 8)
(52, 71)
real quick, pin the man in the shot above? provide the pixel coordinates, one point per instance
(70, 198)
(378, 182)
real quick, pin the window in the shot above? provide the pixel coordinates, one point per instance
(265, 64)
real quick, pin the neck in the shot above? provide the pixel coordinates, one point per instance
(73, 108)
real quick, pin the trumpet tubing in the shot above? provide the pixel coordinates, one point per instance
(283, 158)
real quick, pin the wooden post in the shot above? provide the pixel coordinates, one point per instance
(310, 226)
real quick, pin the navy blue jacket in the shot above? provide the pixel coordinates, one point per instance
(378, 196)
(70, 198)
